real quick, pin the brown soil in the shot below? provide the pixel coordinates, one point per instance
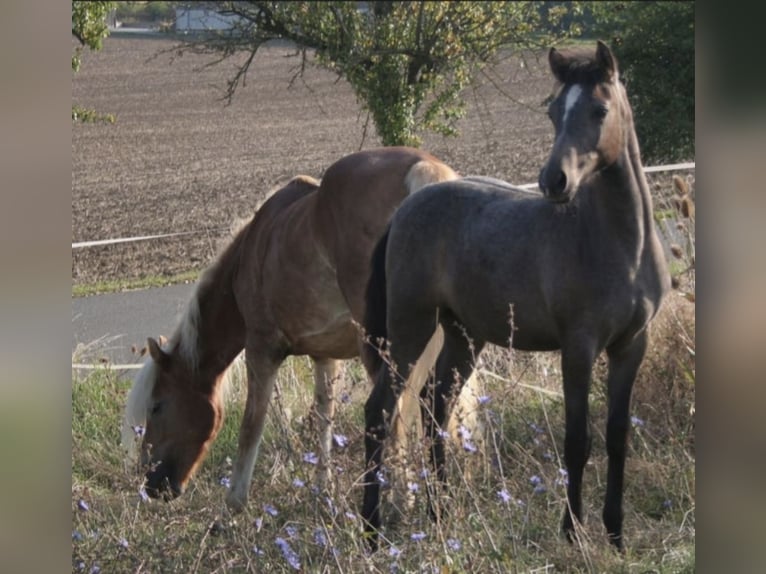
(178, 159)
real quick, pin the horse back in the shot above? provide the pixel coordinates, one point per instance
(358, 195)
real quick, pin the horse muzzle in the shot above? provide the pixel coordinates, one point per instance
(555, 185)
(160, 483)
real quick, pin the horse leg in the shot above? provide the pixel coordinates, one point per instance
(453, 368)
(325, 376)
(408, 342)
(576, 365)
(261, 375)
(624, 362)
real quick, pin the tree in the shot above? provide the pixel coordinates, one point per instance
(654, 43)
(89, 27)
(407, 62)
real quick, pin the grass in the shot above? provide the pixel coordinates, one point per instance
(84, 290)
(502, 509)
(522, 438)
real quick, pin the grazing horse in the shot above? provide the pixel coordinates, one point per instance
(577, 269)
(290, 283)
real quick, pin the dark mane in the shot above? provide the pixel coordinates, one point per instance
(580, 67)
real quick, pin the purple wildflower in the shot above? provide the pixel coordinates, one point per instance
(463, 432)
(331, 505)
(350, 515)
(394, 552)
(269, 509)
(539, 489)
(484, 399)
(340, 440)
(291, 531)
(637, 421)
(82, 505)
(139, 431)
(289, 554)
(123, 542)
(413, 486)
(258, 551)
(76, 536)
(535, 428)
(667, 503)
(381, 478)
(142, 494)
(225, 481)
(80, 565)
(535, 480)
(258, 524)
(469, 446)
(345, 397)
(424, 473)
(443, 434)
(319, 537)
(418, 536)
(547, 455)
(298, 483)
(454, 544)
(311, 458)
(504, 495)
(95, 569)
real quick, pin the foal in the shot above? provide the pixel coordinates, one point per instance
(580, 269)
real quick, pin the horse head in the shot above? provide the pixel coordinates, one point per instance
(182, 419)
(590, 114)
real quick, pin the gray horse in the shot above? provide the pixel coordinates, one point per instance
(579, 269)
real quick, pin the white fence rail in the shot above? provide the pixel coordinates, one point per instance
(82, 244)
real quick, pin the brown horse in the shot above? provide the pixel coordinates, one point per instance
(290, 283)
(580, 268)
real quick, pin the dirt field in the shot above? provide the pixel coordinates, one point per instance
(178, 159)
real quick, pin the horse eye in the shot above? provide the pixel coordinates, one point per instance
(600, 112)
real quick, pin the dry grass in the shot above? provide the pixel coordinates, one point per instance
(479, 532)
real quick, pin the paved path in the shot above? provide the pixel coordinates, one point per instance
(106, 326)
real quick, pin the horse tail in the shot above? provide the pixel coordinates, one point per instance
(375, 329)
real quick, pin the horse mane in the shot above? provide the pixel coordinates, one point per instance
(136, 408)
(580, 66)
(186, 336)
(184, 339)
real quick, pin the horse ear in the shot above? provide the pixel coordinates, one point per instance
(557, 62)
(606, 59)
(158, 355)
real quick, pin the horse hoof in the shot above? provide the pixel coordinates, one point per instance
(235, 504)
(371, 540)
(616, 541)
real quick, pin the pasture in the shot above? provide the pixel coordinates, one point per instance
(178, 160)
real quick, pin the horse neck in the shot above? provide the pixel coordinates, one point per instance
(623, 195)
(212, 333)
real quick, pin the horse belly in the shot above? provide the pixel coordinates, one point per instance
(505, 319)
(336, 340)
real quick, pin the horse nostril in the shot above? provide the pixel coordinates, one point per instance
(552, 183)
(560, 183)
